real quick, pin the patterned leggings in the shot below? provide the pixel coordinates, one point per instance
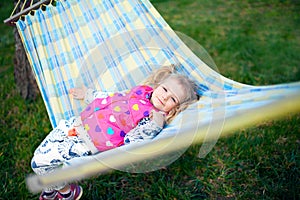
(58, 150)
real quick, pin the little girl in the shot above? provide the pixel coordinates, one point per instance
(111, 120)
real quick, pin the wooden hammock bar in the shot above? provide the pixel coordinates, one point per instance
(16, 16)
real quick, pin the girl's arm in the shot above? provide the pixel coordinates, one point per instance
(87, 94)
(146, 129)
(91, 95)
(159, 117)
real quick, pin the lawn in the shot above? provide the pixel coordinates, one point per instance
(254, 42)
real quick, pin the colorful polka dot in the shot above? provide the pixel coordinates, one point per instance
(122, 134)
(123, 122)
(110, 131)
(98, 129)
(135, 107)
(139, 92)
(146, 113)
(104, 101)
(96, 142)
(87, 127)
(100, 116)
(143, 102)
(96, 109)
(88, 108)
(112, 118)
(117, 109)
(109, 144)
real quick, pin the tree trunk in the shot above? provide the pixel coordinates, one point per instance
(24, 78)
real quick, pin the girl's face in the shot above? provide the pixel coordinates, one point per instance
(167, 95)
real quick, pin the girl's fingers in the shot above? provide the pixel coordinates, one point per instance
(71, 91)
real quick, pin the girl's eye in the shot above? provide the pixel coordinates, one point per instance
(165, 89)
(173, 99)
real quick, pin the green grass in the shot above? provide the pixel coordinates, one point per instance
(254, 42)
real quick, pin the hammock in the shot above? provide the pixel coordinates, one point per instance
(113, 45)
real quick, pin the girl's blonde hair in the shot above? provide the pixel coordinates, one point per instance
(190, 87)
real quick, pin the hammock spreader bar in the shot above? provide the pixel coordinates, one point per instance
(15, 16)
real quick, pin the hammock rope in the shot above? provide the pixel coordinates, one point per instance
(113, 45)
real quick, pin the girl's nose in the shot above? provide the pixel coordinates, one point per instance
(165, 96)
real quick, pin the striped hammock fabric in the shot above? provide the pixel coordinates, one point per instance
(113, 45)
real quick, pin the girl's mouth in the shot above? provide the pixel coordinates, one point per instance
(160, 101)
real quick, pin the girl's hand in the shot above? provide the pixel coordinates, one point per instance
(78, 93)
(158, 117)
